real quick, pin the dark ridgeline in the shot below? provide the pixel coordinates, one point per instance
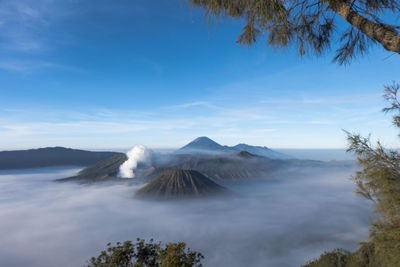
(261, 151)
(204, 145)
(50, 156)
(222, 168)
(105, 170)
(181, 184)
(245, 154)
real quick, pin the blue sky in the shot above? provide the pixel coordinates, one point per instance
(111, 74)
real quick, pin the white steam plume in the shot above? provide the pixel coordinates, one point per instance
(137, 154)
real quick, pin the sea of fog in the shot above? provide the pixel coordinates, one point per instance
(282, 222)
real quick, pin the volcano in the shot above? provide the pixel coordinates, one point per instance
(181, 184)
(104, 170)
(225, 165)
(205, 145)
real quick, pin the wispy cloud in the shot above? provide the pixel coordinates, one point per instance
(21, 22)
(267, 130)
(27, 36)
(193, 104)
(171, 127)
(31, 66)
(243, 112)
(331, 100)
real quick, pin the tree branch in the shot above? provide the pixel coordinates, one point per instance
(389, 39)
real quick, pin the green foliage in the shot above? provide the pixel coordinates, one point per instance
(365, 256)
(310, 24)
(378, 181)
(174, 255)
(144, 254)
(336, 258)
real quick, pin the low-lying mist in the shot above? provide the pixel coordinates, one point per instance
(285, 221)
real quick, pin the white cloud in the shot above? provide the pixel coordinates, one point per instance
(271, 224)
(172, 126)
(193, 104)
(30, 66)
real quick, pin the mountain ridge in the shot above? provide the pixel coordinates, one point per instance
(50, 156)
(205, 145)
(221, 168)
(105, 170)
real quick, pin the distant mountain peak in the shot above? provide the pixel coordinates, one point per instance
(260, 151)
(203, 144)
(206, 145)
(203, 139)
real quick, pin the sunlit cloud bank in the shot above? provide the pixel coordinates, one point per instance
(284, 222)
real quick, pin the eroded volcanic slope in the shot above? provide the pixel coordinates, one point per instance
(220, 168)
(104, 170)
(222, 164)
(223, 168)
(181, 184)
